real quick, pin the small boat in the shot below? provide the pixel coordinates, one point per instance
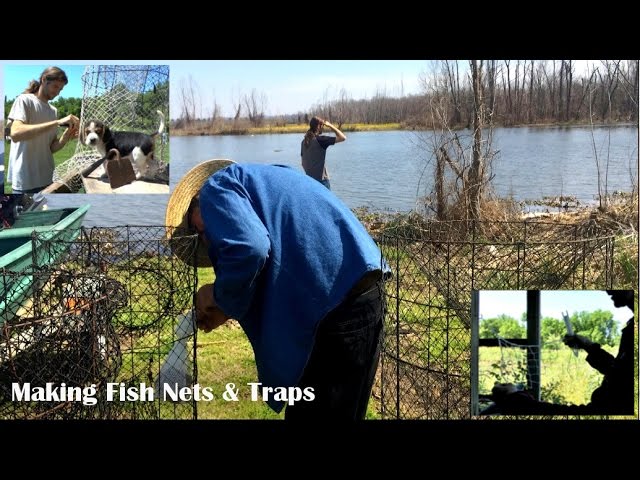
(17, 253)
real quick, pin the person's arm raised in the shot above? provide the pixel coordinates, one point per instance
(340, 137)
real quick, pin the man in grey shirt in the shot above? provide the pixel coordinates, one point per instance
(34, 138)
(313, 149)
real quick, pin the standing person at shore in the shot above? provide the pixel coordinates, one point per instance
(313, 149)
(34, 127)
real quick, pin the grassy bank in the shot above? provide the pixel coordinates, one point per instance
(243, 127)
(223, 129)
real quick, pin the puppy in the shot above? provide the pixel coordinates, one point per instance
(137, 146)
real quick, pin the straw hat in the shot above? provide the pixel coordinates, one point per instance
(178, 205)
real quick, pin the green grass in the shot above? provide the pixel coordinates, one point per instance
(565, 379)
(225, 356)
(65, 153)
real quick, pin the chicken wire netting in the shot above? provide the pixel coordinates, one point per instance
(103, 332)
(426, 357)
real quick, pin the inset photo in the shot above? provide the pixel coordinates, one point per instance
(2, 155)
(86, 129)
(560, 352)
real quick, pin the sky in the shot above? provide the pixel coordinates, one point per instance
(295, 85)
(17, 77)
(289, 85)
(552, 303)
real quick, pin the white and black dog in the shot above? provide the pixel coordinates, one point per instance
(139, 146)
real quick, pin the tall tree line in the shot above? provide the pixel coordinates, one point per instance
(517, 92)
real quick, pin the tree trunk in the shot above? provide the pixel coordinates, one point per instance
(530, 106)
(441, 201)
(509, 102)
(569, 78)
(492, 89)
(475, 172)
(558, 106)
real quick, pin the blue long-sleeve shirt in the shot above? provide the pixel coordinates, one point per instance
(286, 251)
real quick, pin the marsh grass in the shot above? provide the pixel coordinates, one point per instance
(223, 128)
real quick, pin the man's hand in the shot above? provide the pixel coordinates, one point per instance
(340, 137)
(577, 341)
(69, 133)
(502, 389)
(70, 121)
(208, 314)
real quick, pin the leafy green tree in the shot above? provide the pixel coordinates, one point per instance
(551, 331)
(501, 326)
(148, 102)
(68, 106)
(599, 326)
(7, 106)
(65, 106)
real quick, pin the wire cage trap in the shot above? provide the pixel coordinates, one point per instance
(104, 332)
(126, 98)
(426, 358)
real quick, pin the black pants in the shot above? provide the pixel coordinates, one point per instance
(343, 363)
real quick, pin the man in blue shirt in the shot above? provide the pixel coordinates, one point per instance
(298, 271)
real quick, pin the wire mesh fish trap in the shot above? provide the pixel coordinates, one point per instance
(426, 355)
(104, 332)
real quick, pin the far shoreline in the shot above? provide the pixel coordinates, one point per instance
(361, 127)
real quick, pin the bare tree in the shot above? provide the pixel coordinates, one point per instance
(255, 104)
(558, 107)
(492, 75)
(236, 101)
(507, 87)
(453, 77)
(609, 80)
(190, 100)
(461, 196)
(476, 173)
(530, 106)
(629, 84)
(516, 93)
(569, 79)
(586, 90)
(216, 110)
(341, 108)
(602, 176)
